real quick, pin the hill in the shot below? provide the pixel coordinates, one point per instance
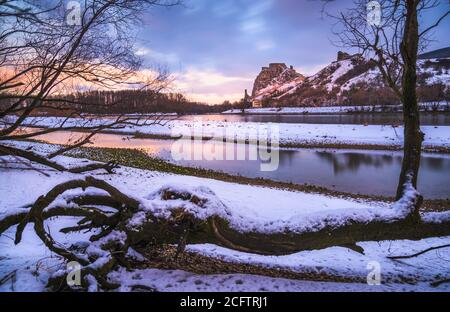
(350, 80)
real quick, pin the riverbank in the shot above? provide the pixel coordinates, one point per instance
(308, 144)
(140, 159)
(385, 137)
(423, 107)
(210, 267)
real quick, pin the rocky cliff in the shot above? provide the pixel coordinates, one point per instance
(275, 75)
(351, 79)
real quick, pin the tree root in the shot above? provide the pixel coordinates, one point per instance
(420, 252)
(440, 282)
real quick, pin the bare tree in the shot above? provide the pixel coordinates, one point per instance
(393, 40)
(44, 54)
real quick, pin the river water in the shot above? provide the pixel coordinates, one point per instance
(436, 119)
(356, 171)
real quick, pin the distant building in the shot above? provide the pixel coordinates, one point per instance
(256, 103)
(250, 102)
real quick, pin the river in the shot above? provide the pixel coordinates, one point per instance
(356, 171)
(433, 119)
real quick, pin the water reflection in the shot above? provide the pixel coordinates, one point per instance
(356, 171)
(437, 119)
(353, 161)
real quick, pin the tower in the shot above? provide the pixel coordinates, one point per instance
(247, 100)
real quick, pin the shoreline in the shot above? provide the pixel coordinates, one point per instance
(374, 147)
(287, 135)
(337, 145)
(139, 159)
(424, 107)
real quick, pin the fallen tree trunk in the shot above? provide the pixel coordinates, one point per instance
(128, 223)
(348, 235)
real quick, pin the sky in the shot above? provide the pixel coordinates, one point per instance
(216, 48)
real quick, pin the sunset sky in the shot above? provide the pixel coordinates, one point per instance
(215, 48)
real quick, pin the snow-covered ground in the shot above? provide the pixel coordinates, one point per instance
(248, 208)
(289, 133)
(177, 280)
(442, 106)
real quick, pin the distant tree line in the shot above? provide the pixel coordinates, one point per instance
(128, 101)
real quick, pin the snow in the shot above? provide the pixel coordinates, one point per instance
(282, 88)
(289, 133)
(435, 76)
(343, 67)
(369, 76)
(207, 204)
(133, 254)
(248, 208)
(436, 217)
(439, 106)
(114, 236)
(181, 281)
(343, 262)
(406, 203)
(92, 282)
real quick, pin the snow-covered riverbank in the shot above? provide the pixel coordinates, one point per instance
(424, 107)
(294, 135)
(248, 208)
